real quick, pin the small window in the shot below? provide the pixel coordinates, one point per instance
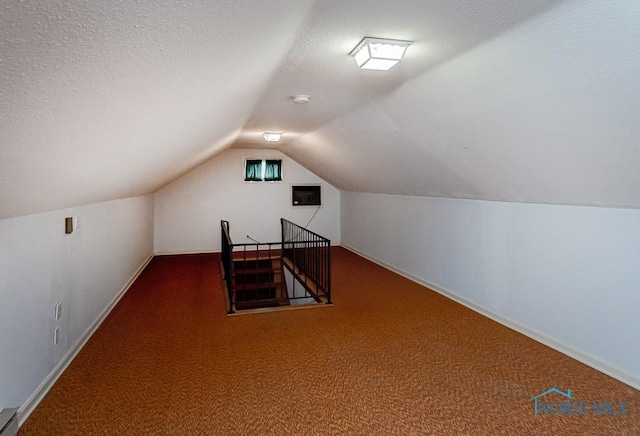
(263, 170)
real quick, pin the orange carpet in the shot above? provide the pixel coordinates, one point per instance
(390, 357)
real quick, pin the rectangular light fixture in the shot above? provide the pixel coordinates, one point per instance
(271, 136)
(379, 54)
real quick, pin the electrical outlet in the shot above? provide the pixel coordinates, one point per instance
(58, 311)
(56, 336)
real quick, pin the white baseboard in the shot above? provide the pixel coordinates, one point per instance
(586, 358)
(32, 402)
(173, 253)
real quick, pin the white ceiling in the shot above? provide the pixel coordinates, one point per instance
(505, 100)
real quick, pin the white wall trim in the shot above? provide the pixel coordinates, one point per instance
(36, 397)
(173, 253)
(586, 358)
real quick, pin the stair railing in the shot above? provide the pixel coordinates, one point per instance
(308, 256)
(304, 253)
(227, 262)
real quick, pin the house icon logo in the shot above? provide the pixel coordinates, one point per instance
(536, 400)
(569, 405)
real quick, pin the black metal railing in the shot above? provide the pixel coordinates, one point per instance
(308, 256)
(254, 273)
(227, 264)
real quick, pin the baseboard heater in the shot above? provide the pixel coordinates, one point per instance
(8, 422)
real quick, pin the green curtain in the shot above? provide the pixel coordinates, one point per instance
(253, 171)
(273, 171)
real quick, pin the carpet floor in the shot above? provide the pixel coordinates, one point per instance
(389, 357)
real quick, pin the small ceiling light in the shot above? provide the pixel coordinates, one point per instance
(271, 136)
(301, 98)
(379, 54)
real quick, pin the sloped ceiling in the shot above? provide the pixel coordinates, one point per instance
(545, 112)
(110, 99)
(530, 101)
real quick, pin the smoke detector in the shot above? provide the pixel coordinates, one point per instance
(301, 98)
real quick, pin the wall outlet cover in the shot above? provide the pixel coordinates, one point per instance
(58, 311)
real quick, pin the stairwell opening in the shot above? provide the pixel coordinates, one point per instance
(290, 274)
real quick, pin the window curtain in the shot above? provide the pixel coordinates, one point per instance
(253, 171)
(273, 170)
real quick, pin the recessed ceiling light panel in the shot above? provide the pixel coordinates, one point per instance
(379, 54)
(271, 136)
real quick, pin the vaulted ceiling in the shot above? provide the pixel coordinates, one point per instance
(530, 101)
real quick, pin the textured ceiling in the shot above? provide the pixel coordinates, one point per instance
(109, 99)
(318, 64)
(530, 101)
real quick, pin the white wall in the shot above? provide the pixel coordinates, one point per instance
(188, 211)
(41, 265)
(295, 289)
(570, 273)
